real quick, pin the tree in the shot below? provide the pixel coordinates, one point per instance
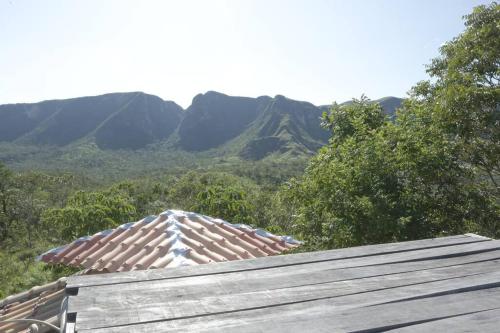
(89, 212)
(229, 203)
(6, 179)
(434, 171)
(464, 96)
(349, 193)
(462, 103)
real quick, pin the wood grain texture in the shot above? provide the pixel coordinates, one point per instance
(417, 286)
(275, 261)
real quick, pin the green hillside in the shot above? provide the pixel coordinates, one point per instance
(120, 120)
(135, 131)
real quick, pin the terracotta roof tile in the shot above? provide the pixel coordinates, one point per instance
(40, 302)
(174, 238)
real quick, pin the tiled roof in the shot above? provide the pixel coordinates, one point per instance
(41, 302)
(174, 238)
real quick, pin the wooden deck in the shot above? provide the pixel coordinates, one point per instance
(447, 284)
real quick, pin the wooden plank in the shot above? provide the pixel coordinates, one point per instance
(484, 321)
(477, 236)
(278, 286)
(122, 309)
(249, 281)
(327, 316)
(276, 261)
(457, 251)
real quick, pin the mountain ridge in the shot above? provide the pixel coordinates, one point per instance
(248, 127)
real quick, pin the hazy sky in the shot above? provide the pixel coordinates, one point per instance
(319, 51)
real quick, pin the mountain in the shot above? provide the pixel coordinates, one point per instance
(214, 118)
(221, 125)
(390, 104)
(251, 127)
(112, 121)
(286, 125)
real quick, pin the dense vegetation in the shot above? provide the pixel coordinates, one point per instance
(432, 170)
(39, 211)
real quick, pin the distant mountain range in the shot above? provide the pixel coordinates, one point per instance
(251, 128)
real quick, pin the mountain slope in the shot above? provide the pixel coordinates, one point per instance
(215, 123)
(113, 121)
(19, 119)
(286, 126)
(390, 104)
(214, 118)
(144, 120)
(251, 127)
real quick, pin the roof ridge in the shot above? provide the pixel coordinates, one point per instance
(171, 239)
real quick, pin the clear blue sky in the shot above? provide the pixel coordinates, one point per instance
(319, 51)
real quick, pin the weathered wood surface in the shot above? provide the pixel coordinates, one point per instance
(429, 285)
(277, 261)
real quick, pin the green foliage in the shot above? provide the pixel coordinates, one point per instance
(463, 98)
(355, 120)
(19, 271)
(349, 193)
(433, 171)
(228, 203)
(89, 212)
(213, 193)
(379, 182)
(5, 194)
(23, 198)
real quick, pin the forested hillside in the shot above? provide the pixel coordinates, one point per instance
(127, 120)
(430, 169)
(91, 134)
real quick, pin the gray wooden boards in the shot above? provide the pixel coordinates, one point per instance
(277, 261)
(442, 284)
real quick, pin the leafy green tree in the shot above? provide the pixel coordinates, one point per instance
(462, 102)
(422, 175)
(229, 203)
(378, 181)
(349, 193)
(464, 94)
(23, 198)
(89, 212)
(6, 179)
